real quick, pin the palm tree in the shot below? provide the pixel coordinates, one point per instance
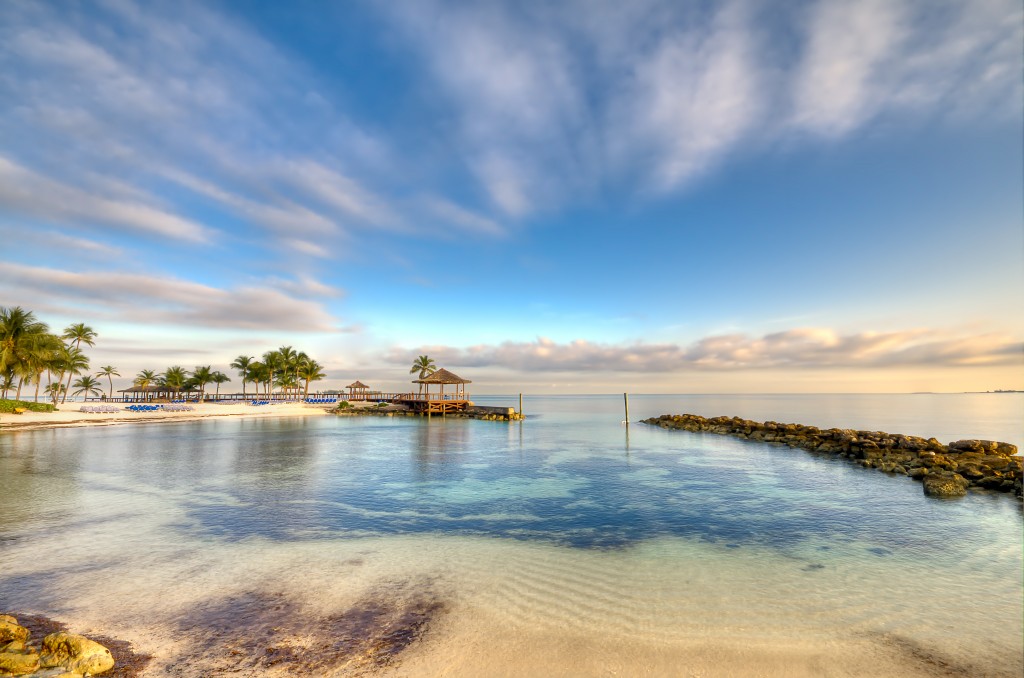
(425, 366)
(44, 358)
(258, 374)
(174, 378)
(242, 363)
(109, 372)
(311, 370)
(72, 362)
(20, 336)
(145, 378)
(55, 390)
(78, 334)
(220, 378)
(287, 363)
(87, 385)
(301, 360)
(272, 361)
(6, 383)
(201, 376)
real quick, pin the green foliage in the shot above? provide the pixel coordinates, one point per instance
(344, 405)
(7, 406)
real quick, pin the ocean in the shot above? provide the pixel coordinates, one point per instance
(567, 544)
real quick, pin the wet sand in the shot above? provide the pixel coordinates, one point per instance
(433, 607)
(69, 415)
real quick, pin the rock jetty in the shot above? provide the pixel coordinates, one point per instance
(945, 470)
(61, 655)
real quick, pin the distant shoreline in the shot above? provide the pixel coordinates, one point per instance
(73, 418)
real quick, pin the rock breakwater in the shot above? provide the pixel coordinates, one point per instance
(946, 470)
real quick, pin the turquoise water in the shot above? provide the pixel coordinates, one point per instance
(585, 521)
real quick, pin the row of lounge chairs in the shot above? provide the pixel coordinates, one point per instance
(110, 409)
(99, 409)
(320, 401)
(257, 403)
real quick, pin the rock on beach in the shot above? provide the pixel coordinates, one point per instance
(62, 655)
(945, 470)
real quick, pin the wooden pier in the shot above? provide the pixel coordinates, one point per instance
(433, 403)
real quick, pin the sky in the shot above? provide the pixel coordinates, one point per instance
(576, 197)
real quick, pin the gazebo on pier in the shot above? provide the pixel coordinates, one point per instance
(357, 390)
(441, 402)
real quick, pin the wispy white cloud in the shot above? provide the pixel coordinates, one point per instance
(866, 58)
(461, 219)
(553, 102)
(848, 45)
(162, 300)
(95, 126)
(801, 348)
(693, 97)
(23, 191)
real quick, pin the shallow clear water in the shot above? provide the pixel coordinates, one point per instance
(567, 523)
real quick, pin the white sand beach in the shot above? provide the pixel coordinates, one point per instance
(70, 414)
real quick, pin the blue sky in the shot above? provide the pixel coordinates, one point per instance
(564, 197)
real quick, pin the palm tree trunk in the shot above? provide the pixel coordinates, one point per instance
(39, 379)
(20, 382)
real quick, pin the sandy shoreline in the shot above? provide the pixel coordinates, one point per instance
(69, 415)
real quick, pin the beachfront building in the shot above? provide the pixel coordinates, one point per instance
(142, 394)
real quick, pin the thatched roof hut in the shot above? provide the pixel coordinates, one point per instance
(357, 388)
(442, 377)
(146, 392)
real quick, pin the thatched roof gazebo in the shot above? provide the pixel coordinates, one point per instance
(442, 377)
(357, 388)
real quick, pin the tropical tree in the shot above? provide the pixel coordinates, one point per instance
(21, 336)
(72, 362)
(7, 382)
(109, 372)
(44, 358)
(259, 374)
(272, 361)
(220, 378)
(87, 385)
(78, 334)
(174, 378)
(425, 366)
(55, 390)
(287, 364)
(145, 378)
(311, 370)
(243, 363)
(201, 376)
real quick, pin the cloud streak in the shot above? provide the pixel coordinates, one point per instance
(150, 299)
(557, 101)
(25, 192)
(801, 348)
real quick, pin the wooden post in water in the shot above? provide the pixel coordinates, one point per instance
(520, 404)
(625, 398)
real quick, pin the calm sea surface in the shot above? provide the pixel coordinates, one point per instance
(559, 531)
